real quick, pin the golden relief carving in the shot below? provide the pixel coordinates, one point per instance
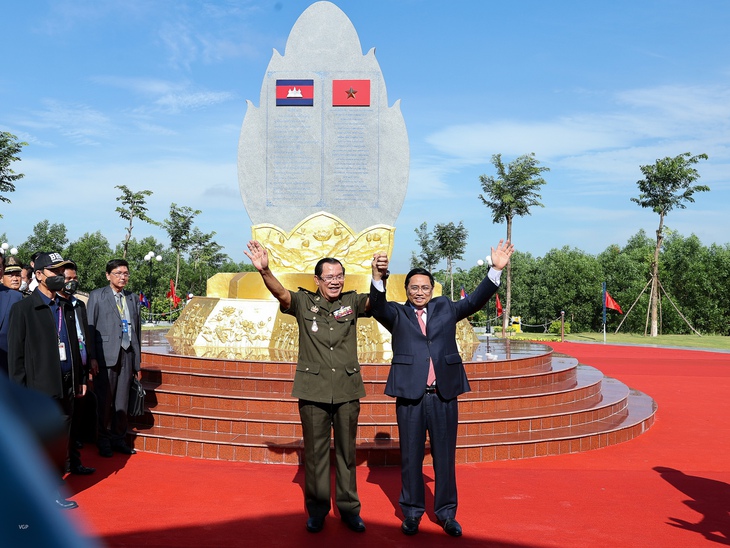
(191, 321)
(466, 340)
(323, 235)
(240, 319)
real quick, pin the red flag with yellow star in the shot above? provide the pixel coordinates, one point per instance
(350, 93)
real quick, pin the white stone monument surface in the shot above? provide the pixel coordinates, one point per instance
(323, 137)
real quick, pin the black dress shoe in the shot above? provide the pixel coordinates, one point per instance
(410, 526)
(354, 522)
(315, 524)
(81, 470)
(66, 504)
(106, 451)
(123, 448)
(452, 527)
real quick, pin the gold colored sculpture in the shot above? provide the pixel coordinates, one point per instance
(240, 319)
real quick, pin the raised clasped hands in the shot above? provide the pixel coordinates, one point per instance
(501, 254)
(380, 266)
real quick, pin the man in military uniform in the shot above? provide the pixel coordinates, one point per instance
(327, 382)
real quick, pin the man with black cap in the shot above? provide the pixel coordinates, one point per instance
(43, 348)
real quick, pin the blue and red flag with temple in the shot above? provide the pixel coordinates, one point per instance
(294, 93)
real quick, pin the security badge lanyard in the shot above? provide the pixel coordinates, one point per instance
(125, 323)
(61, 344)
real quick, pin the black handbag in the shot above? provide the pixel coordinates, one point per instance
(136, 398)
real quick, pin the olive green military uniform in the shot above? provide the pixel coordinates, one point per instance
(329, 385)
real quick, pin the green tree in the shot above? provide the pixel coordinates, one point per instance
(91, 252)
(10, 149)
(179, 228)
(450, 242)
(571, 282)
(205, 258)
(151, 278)
(134, 207)
(46, 237)
(625, 273)
(429, 256)
(688, 276)
(667, 184)
(527, 289)
(512, 193)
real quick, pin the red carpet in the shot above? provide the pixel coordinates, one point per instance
(670, 487)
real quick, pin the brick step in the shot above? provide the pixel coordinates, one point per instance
(371, 427)
(530, 402)
(531, 356)
(638, 417)
(585, 385)
(280, 384)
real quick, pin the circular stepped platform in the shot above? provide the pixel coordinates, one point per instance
(529, 404)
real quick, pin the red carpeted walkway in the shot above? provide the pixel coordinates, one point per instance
(670, 487)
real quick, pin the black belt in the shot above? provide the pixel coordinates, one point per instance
(430, 390)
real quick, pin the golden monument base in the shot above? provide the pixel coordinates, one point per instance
(239, 319)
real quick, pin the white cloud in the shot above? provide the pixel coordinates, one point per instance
(80, 123)
(178, 102)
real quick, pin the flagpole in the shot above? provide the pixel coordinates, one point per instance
(604, 312)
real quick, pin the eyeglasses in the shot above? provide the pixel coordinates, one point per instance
(120, 274)
(331, 278)
(421, 288)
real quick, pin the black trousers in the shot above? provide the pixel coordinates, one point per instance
(319, 420)
(440, 418)
(67, 408)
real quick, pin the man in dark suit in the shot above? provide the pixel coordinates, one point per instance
(114, 319)
(426, 376)
(8, 298)
(43, 348)
(86, 406)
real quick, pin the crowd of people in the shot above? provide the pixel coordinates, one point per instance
(52, 342)
(80, 352)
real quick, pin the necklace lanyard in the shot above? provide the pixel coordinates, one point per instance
(60, 320)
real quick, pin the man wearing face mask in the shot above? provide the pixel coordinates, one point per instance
(43, 347)
(26, 276)
(86, 406)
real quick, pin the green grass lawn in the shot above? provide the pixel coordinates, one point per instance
(716, 342)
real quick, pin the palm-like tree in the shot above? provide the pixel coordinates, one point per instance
(667, 184)
(511, 194)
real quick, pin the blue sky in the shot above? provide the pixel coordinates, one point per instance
(152, 95)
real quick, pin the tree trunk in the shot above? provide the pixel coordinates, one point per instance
(654, 300)
(177, 271)
(508, 289)
(451, 276)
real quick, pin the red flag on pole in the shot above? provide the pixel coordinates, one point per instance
(499, 307)
(610, 303)
(175, 299)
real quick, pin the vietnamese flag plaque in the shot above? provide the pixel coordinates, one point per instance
(350, 93)
(294, 93)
